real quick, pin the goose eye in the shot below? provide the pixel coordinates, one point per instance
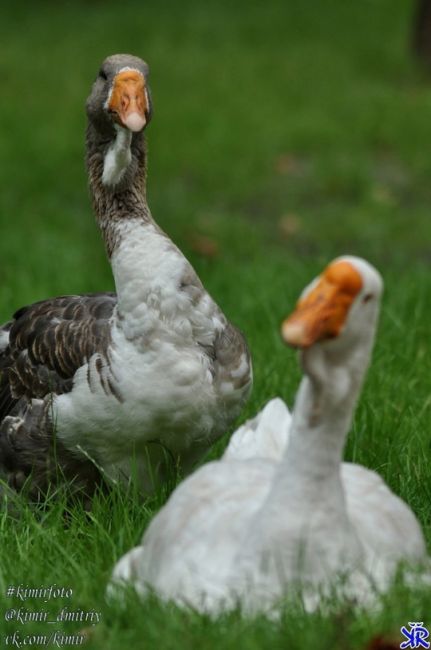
(102, 74)
(367, 297)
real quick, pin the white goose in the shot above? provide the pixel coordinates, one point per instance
(97, 385)
(250, 531)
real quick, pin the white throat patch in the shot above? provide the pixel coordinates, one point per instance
(117, 158)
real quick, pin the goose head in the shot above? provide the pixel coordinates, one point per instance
(335, 318)
(120, 97)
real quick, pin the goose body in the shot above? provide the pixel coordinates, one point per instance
(249, 530)
(132, 381)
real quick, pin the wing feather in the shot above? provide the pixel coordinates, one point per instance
(48, 342)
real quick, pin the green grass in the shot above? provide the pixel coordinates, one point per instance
(285, 132)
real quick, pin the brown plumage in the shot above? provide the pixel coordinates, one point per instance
(48, 342)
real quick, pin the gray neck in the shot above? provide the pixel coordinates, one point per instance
(124, 199)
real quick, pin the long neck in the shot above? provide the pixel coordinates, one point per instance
(303, 528)
(144, 260)
(117, 177)
(310, 470)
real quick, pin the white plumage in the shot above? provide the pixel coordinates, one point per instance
(155, 361)
(264, 436)
(280, 512)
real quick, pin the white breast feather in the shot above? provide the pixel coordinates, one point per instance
(156, 364)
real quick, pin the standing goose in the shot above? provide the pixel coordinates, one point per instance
(250, 531)
(127, 382)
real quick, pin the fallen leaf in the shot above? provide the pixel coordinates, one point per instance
(205, 246)
(383, 195)
(289, 164)
(383, 643)
(289, 224)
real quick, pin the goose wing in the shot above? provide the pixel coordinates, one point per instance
(46, 342)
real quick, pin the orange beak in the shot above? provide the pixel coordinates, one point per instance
(128, 100)
(321, 314)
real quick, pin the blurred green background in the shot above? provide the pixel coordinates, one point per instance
(303, 124)
(284, 133)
